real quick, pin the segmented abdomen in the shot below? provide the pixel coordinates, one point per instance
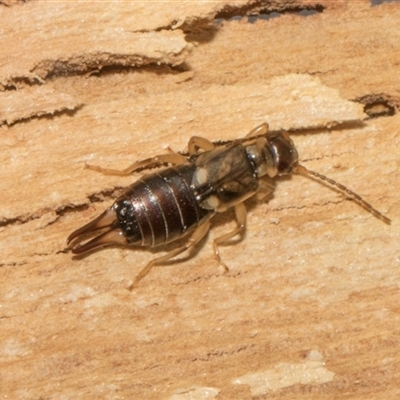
(159, 208)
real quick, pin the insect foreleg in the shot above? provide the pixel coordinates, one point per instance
(266, 189)
(153, 162)
(241, 214)
(197, 235)
(197, 142)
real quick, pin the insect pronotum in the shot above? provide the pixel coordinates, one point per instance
(180, 201)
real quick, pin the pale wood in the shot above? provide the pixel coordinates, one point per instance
(34, 102)
(314, 272)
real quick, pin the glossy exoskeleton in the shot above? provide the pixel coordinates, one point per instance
(181, 200)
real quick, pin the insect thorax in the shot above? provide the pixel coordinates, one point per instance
(224, 177)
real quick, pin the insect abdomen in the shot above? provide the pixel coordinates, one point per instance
(159, 208)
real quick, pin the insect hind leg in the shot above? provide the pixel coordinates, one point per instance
(241, 214)
(153, 162)
(195, 238)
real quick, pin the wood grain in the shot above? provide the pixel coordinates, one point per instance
(310, 306)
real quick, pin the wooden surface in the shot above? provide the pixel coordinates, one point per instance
(310, 307)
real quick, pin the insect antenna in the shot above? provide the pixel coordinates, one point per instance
(352, 195)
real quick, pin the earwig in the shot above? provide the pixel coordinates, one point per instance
(180, 201)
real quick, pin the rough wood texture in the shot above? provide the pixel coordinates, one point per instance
(310, 307)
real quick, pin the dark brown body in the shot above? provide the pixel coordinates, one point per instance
(160, 207)
(164, 206)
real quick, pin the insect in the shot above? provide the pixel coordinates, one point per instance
(181, 200)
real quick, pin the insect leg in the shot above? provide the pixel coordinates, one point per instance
(197, 142)
(153, 162)
(259, 130)
(197, 235)
(266, 188)
(241, 213)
